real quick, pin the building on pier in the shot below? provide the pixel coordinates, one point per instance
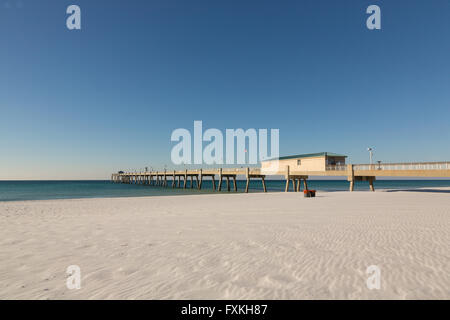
(306, 162)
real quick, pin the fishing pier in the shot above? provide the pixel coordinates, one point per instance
(293, 176)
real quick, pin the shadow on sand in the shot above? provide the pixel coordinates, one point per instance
(420, 190)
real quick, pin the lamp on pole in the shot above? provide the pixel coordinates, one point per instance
(370, 154)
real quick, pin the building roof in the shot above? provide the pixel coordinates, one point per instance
(309, 155)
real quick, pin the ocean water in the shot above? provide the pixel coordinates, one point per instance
(42, 190)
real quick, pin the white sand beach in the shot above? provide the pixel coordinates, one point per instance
(229, 246)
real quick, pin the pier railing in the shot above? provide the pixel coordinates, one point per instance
(237, 171)
(335, 167)
(404, 166)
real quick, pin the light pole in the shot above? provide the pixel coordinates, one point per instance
(370, 154)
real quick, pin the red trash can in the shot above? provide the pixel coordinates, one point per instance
(309, 193)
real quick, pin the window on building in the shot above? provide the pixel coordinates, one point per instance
(299, 162)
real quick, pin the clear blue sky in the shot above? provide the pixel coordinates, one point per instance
(80, 104)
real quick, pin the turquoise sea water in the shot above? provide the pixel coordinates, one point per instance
(40, 190)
